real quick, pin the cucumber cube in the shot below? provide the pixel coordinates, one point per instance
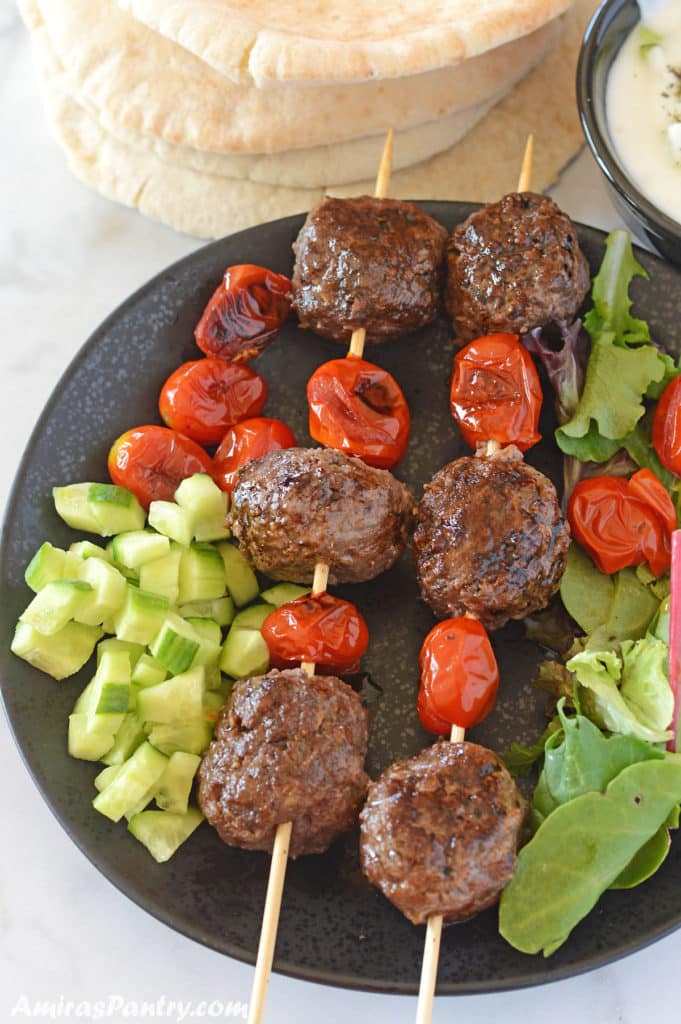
(253, 617)
(172, 521)
(163, 832)
(221, 609)
(136, 776)
(202, 574)
(85, 744)
(48, 564)
(106, 776)
(109, 589)
(244, 653)
(134, 651)
(175, 645)
(141, 617)
(148, 671)
(60, 655)
(282, 593)
(115, 508)
(174, 786)
(192, 736)
(138, 547)
(173, 701)
(207, 629)
(86, 549)
(127, 739)
(55, 605)
(71, 503)
(162, 576)
(207, 506)
(242, 582)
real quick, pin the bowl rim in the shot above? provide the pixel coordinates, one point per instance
(597, 138)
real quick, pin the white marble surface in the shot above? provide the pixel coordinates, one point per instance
(67, 258)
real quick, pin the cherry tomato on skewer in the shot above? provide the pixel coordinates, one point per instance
(244, 314)
(151, 461)
(459, 675)
(622, 523)
(246, 441)
(203, 398)
(359, 409)
(495, 392)
(667, 427)
(320, 628)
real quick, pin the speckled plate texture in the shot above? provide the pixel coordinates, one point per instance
(334, 928)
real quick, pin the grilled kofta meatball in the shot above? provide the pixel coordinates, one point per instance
(439, 832)
(490, 540)
(512, 266)
(287, 747)
(299, 506)
(365, 262)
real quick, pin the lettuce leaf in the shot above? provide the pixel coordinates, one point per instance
(610, 293)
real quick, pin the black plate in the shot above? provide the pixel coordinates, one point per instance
(334, 928)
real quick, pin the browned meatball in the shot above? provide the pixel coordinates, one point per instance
(365, 262)
(514, 265)
(490, 539)
(439, 832)
(299, 506)
(287, 747)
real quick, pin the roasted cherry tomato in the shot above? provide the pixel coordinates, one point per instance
(202, 399)
(429, 720)
(650, 489)
(244, 442)
(151, 462)
(495, 393)
(360, 409)
(244, 313)
(620, 525)
(667, 427)
(459, 674)
(319, 628)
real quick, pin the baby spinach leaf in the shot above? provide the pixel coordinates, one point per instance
(645, 862)
(580, 850)
(586, 593)
(519, 759)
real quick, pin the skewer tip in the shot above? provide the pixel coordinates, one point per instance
(525, 179)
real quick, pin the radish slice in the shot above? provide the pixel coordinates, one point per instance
(675, 635)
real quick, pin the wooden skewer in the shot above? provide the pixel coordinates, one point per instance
(431, 947)
(282, 838)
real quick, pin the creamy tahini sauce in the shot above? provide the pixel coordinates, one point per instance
(643, 103)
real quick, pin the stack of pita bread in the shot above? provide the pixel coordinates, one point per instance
(212, 115)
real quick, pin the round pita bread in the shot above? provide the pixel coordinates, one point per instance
(140, 82)
(265, 41)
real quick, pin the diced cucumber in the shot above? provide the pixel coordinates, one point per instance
(86, 549)
(213, 674)
(162, 576)
(141, 617)
(134, 651)
(213, 701)
(129, 736)
(55, 605)
(242, 583)
(162, 832)
(71, 503)
(172, 521)
(138, 547)
(136, 776)
(124, 570)
(174, 786)
(85, 744)
(175, 645)
(253, 617)
(175, 700)
(206, 504)
(138, 807)
(148, 671)
(202, 574)
(192, 736)
(207, 629)
(116, 509)
(106, 776)
(48, 564)
(60, 655)
(105, 699)
(221, 610)
(282, 593)
(244, 653)
(108, 592)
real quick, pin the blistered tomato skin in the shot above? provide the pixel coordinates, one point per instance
(320, 628)
(202, 399)
(667, 427)
(246, 441)
(495, 392)
(359, 409)
(152, 461)
(244, 314)
(616, 527)
(459, 674)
